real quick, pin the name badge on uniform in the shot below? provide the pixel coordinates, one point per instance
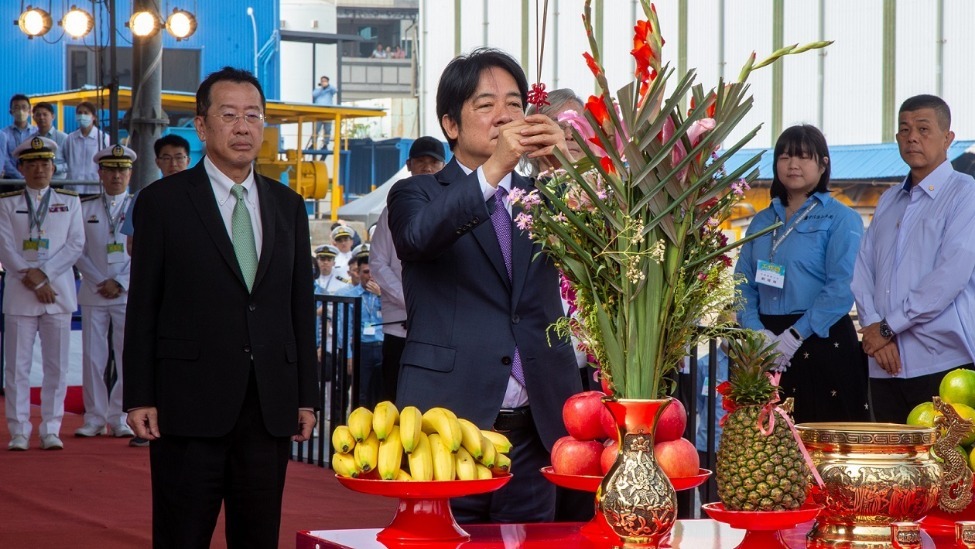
(369, 330)
(116, 252)
(36, 249)
(770, 274)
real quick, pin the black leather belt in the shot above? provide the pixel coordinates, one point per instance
(509, 420)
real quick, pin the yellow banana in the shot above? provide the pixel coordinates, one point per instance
(471, 438)
(490, 454)
(342, 440)
(403, 475)
(360, 423)
(390, 455)
(436, 420)
(501, 442)
(345, 465)
(421, 460)
(455, 430)
(483, 472)
(384, 417)
(501, 466)
(367, 453)
(443, 458)
(464, 465)
(410, 427)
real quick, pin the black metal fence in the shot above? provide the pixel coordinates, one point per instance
(340, 360)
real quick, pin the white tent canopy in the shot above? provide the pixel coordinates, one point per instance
(367, 208)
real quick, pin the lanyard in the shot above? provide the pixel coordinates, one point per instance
(114, 221)
(38, 216)
(775, 243)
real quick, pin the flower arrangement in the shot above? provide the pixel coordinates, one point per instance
(635, 224)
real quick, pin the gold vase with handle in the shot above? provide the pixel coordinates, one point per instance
(877, 473)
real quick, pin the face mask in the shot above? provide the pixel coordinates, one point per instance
(20, 116)
(84, 120)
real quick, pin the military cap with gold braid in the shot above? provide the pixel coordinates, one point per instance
(117, 156)
(36, 148)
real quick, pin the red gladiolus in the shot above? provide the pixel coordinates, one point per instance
(723, 388)
(597, 107)
(607, 164)
(593, 65)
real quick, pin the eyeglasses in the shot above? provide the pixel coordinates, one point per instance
(252, 118)
(168, 158)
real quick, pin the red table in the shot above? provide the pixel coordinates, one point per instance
(687, 534)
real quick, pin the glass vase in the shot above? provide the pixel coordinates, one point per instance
(635, 497)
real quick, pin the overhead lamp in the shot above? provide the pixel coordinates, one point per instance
(34, 22)
(181, 24)
(77, 22)
(144, 24)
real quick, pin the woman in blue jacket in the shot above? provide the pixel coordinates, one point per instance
(796, 287)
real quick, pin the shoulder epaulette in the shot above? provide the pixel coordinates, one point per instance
(11, 193)
(66, 191)
(89, 198)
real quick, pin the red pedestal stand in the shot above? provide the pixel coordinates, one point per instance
(424, 511)
(762, 527)
(598, 528)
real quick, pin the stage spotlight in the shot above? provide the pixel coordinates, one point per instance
(181, 24)
(77, 22)
(144, 24)
(34, 22)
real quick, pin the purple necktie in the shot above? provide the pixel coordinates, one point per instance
(502, 228)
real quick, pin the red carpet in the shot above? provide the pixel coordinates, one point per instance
(73, 401)
(94, 494)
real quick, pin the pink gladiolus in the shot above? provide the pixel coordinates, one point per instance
(694, 134)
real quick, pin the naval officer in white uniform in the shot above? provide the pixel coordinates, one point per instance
(41, 237)
(104, 266)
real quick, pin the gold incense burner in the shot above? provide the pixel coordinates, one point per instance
(878, 473)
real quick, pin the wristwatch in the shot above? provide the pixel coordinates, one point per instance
(885, 331)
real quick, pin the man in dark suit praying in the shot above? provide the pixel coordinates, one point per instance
(219, 356)
(480, 297)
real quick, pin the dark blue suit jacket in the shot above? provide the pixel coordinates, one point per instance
(465, 316)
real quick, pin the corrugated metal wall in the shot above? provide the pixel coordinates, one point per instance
(852, 102)
(224, 36)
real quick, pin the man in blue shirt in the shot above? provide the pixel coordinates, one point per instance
(914, 280)
(323, 94)
(371, 342)
(16, 133)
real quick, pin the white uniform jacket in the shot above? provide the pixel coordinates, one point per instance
(65, 231)
(93, 263)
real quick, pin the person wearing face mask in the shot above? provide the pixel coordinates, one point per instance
(82, 145)
(16, 133)
(44, 127)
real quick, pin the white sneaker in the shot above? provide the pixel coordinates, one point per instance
(18, 443)
(123, 431)
(51, 442)
(89, 430)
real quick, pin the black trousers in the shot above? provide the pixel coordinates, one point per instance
(893, 398)
(244, 470)
(528, 496)
(392, 352)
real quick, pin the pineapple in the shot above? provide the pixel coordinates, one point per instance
(756, 472)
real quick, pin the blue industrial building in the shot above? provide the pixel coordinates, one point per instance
(55, 62)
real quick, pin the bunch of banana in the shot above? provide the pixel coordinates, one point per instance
(407, 444)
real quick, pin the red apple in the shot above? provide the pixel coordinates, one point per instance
(608, 457)
(672, 422)
(576, 457)
(583, 414)
(677, 458)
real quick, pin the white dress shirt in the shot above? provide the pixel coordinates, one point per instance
(226, 200)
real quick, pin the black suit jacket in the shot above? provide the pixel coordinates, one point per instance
(465, 316)
(193, 330)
